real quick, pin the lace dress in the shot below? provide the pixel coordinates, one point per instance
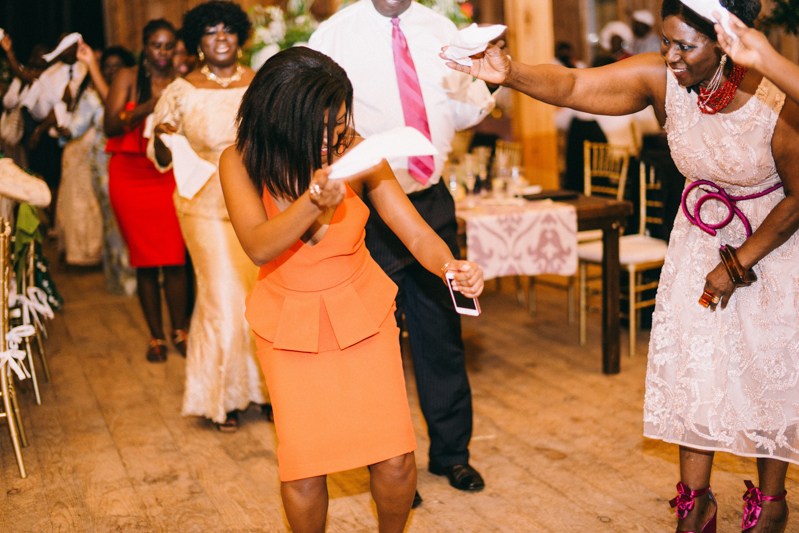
(726, 380)
(222, 372)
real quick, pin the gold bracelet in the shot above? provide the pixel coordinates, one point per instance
(444, 272)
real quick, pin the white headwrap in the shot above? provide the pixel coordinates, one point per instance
(705, 9)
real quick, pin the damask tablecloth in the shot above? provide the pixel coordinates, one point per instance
(512, 237)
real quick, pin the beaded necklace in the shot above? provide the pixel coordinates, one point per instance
(711, 102)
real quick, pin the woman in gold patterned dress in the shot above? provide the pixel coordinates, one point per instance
(722, 372)
(222, 372)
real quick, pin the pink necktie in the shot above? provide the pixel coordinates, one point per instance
(412, 102)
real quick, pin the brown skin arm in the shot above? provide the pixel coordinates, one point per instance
(618, 89)
(123, 90)
(783, 221)
(264, 239)
(401, 216)
(86, 55)
(18, 70)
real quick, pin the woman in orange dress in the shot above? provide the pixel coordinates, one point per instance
(322, 309)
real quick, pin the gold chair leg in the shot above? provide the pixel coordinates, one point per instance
(12, 392)
(572, 280)
(517, 280)
(583, 301)
(32, 370)
(631, 320)
(531, 302)
(12, 427)
(42, 355)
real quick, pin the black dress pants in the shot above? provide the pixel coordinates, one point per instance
(434, 328)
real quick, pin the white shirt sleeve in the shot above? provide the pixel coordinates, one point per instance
(13, 97)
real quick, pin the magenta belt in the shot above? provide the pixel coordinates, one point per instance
(724, 197)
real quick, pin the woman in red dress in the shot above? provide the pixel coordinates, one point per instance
(140, 195)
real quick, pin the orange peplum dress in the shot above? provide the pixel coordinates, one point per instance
(328, 344)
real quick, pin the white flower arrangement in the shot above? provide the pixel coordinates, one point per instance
(275, 30)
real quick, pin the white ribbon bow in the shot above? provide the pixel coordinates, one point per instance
(13, 355)
(35, 303)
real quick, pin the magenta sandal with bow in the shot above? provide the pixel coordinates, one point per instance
(754, 499)
(684, 502)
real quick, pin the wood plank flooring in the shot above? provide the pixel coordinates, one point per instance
(558, 442)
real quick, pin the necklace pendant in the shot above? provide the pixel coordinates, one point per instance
(224, 82)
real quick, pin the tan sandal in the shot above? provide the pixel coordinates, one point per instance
(180, 340)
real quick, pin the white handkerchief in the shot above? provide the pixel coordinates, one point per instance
(2, 33)
(147, 130)
(472, 40)
(399, 142)
(705, 8)
(62, 116)
(65, 43)
(191, 171)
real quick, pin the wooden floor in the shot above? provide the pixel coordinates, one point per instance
(558, 443)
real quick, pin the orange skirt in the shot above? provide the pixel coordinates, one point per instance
(338, 410)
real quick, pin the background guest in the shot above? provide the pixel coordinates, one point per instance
(140, 195)
(392, 37)
(645, 40)
(615, 39)
(222, 373)
(185, 60)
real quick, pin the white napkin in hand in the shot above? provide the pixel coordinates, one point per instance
(2, 33)
(705, 8)
(147, 130)
(470, 41)
(399, 142)
(65, 43)
(62, 115)
(191, 171)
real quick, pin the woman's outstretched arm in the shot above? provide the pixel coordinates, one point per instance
(618, 89)
(265, 239)
(753, 50)
(426, 246)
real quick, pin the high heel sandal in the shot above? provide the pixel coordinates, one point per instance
(754, 499)
(684, 502)
(156, 350)
(179, 339)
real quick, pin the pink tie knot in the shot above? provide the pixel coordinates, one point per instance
(395, 22)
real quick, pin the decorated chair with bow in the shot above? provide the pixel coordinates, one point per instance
(11, 358)
(638, 253)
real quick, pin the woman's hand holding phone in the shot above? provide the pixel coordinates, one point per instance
(465, 282)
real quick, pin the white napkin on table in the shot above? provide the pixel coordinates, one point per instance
(65, 43)
(399, 142)
(470, 41)
(191, 171)
(705, 8)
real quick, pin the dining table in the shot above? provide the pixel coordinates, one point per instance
(537, 235)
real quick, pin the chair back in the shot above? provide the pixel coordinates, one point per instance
(650, 200)
(6, 267)
(605, 168)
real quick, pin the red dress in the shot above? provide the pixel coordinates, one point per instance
(142, 201)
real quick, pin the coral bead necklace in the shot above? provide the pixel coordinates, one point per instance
(711, 101)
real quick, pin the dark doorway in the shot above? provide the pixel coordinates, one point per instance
(30, 22)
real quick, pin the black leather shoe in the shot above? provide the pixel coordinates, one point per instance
(417, 500)
(462, 477)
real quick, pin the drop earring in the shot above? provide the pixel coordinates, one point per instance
(715, 82)
(200, 54)
(239, 53)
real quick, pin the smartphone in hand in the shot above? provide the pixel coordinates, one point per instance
(463, 304)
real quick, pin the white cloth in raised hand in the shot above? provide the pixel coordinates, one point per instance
(398, 142)
(470, 41)
(65, 43)
(705, 8)
(191, 171)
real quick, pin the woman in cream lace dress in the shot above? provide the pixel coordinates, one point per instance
(222, 372)
(723, 372)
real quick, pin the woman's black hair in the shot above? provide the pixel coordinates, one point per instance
(121, 52)
(281, 120)
(208, 15)
(143, 87)
(746, 10)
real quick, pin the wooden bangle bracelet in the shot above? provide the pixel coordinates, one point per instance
(740, 276)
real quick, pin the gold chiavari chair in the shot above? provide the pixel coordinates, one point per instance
(10, 404)
(30, 281)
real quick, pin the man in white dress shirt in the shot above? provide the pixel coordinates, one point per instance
(57, 87)
(365, 38)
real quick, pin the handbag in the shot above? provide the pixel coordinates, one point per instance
(12, 126)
